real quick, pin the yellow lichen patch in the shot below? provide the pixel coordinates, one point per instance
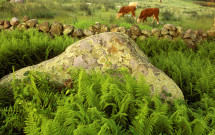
(115, 58)
(107, 65)
(102, 60)
(127, 56)
(119, 64)
(97, 53)
(126, 62)
(97, 46)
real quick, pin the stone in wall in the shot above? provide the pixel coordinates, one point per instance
(180, 31)
(22, 26)
(97, 25)
(32, 23)
(164, 31)
(1, 22)
(168, 37)
(122, 29)
(170, 27)
(156, 32)
(56, 29)
(148, 33)
(7, 24)
(105, 28)
(14, 21)
(44, 27)
(88, 32)
(135, 30)
(142, 37)
(190, 34)
(114, 28)
(78, 33)
(210, 33)
(68, 29)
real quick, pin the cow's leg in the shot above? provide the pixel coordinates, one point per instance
(157, 19)
(133, 15)
(153, 19)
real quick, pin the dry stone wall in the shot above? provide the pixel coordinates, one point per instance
(169, 31)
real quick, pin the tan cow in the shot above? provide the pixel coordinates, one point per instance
(148, 13)
(133, 4)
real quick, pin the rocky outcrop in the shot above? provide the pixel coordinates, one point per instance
(101, 52)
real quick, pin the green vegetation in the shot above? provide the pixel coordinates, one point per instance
(21, 49)
(105, 104)
(98, 103)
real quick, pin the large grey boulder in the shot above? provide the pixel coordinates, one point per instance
(101, 52)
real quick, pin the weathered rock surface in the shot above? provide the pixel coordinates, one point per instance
(78, 33)
(156, 32)
(88, 32)
(44, 27)
(104, 51)
(32, 23)
(104, 28)
(56, 29)
(68, 29)
(1, 22)
(22, 26)
(14, 21)
(135, 30)
(7, 24)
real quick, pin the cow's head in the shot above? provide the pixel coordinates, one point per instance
(138, 20)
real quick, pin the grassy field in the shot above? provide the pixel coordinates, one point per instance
(180, 13)
(100, 103)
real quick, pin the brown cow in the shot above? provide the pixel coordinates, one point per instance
(126, 10)
(148, 13)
